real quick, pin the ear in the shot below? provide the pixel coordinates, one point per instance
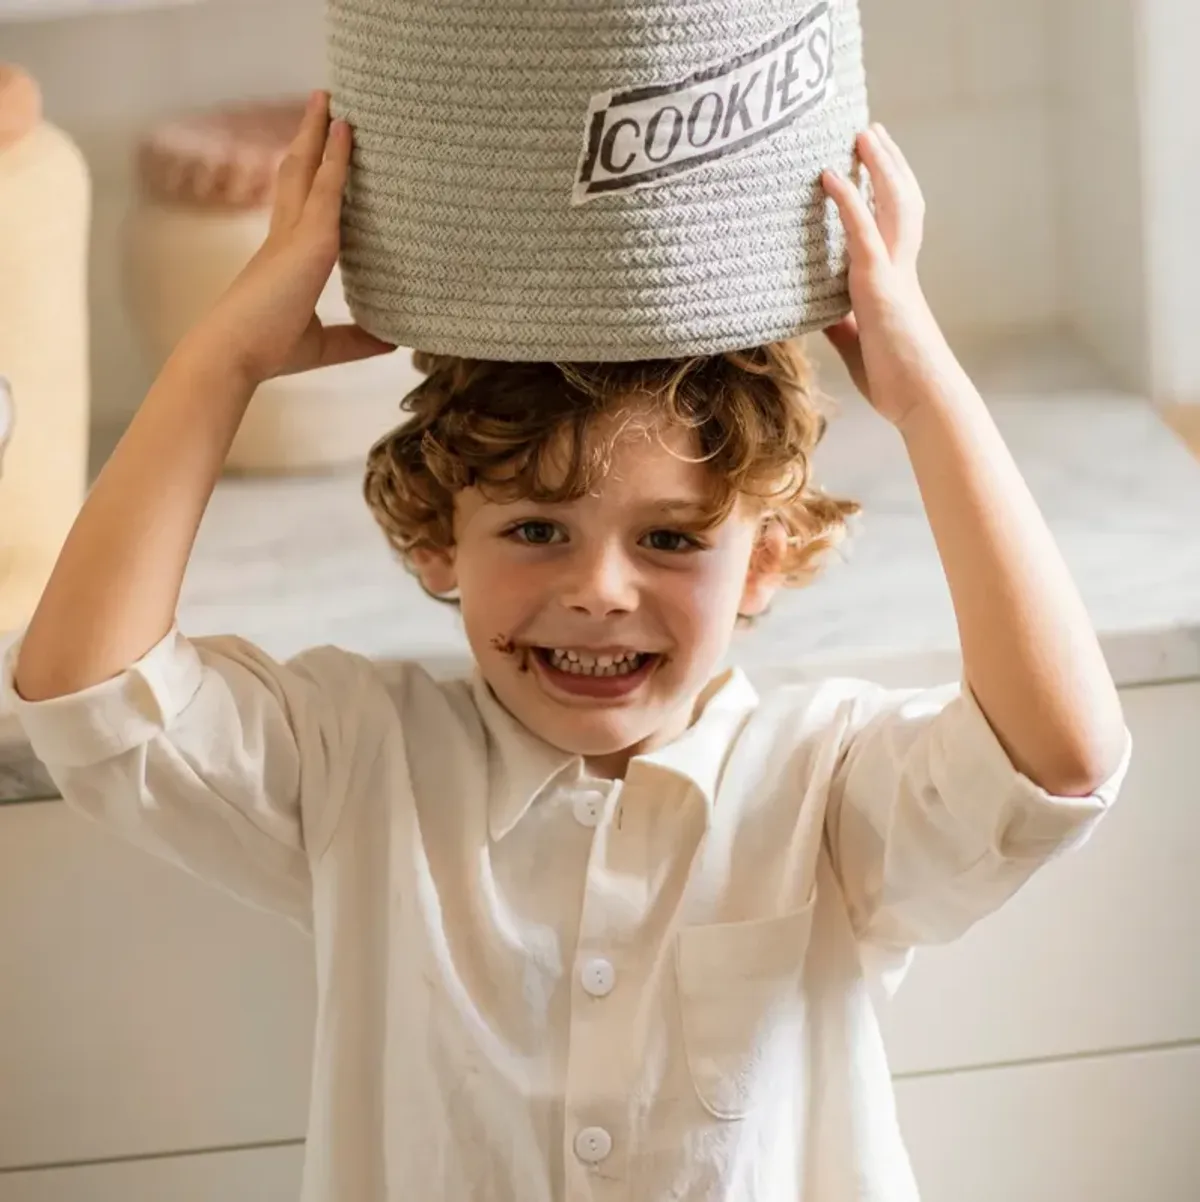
(435, 570)
(765, 573)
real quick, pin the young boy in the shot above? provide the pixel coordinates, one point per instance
(601, 922)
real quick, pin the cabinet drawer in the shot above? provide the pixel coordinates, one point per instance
(1112, 1129)
(254, 1175)
(1097, 951)
(141, 1010)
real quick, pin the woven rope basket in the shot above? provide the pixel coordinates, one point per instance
(595, 179)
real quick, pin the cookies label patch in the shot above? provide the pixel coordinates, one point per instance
(645, 136)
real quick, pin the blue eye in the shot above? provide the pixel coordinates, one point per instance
(534, 534)
(671, 541)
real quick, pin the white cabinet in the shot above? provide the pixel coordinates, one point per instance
(1100, 950)
(252, 1175)
(141, 1011)
(1119, 1128)
(1098, 957)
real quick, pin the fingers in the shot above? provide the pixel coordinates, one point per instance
(896, 227)
(899, 205)
(885, 181)
(862, 231)
(843, 337)
(296, 173)
(844, 333)
(910, 184)
(324, 202)
(347, 343)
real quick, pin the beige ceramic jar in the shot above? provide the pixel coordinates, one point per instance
(45, 211)
(206, 183)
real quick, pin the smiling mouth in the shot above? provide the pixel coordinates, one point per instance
(595, 675)
(594, 665)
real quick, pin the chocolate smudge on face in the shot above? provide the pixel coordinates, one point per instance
(505, 645)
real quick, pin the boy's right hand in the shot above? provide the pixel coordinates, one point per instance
(266, 323)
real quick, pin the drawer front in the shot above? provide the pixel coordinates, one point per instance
(141, 1010)
(1111, 1129)
(255, 1175)
(1097, 951)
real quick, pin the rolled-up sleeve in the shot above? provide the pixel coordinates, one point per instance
(212, 755)
(929, 824)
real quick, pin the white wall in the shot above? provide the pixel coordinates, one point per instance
(1098, 184)
(971, 89)
(1169, 43)
(966, 88)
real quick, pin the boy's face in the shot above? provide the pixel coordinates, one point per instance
(597, 622)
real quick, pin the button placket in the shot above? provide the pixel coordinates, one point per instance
(597, 1085)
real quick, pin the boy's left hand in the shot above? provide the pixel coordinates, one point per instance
(891, 342)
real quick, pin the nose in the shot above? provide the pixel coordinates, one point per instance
(601, 583)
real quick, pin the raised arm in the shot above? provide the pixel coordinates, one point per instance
(1030, 656)
(113, 593)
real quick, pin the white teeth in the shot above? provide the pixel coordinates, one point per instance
(583, 663)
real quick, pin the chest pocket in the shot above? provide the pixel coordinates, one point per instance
(742, 1006)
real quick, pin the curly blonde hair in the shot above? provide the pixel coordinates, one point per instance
(529, 430)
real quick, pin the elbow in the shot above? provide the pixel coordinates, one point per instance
(1082, 769)
(36, 680)
(32, 685)
(1072, 783)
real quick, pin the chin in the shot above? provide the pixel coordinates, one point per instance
(592, 738)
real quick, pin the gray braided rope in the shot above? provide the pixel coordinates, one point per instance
(459, 231)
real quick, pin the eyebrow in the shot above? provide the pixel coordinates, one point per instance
(691, 511)
(681, 506)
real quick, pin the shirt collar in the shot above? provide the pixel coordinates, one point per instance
(521, 766)
(700, 753)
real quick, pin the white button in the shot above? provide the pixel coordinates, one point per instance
(599, 977)
(588, 808)
(593, 1144)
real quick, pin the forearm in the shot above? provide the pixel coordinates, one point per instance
(1030, 655)
(115, 588)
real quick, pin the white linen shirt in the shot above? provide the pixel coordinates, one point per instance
(536, 986)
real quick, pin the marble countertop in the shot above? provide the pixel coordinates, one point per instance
(290, 563)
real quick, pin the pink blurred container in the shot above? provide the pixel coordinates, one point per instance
(206, 184)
